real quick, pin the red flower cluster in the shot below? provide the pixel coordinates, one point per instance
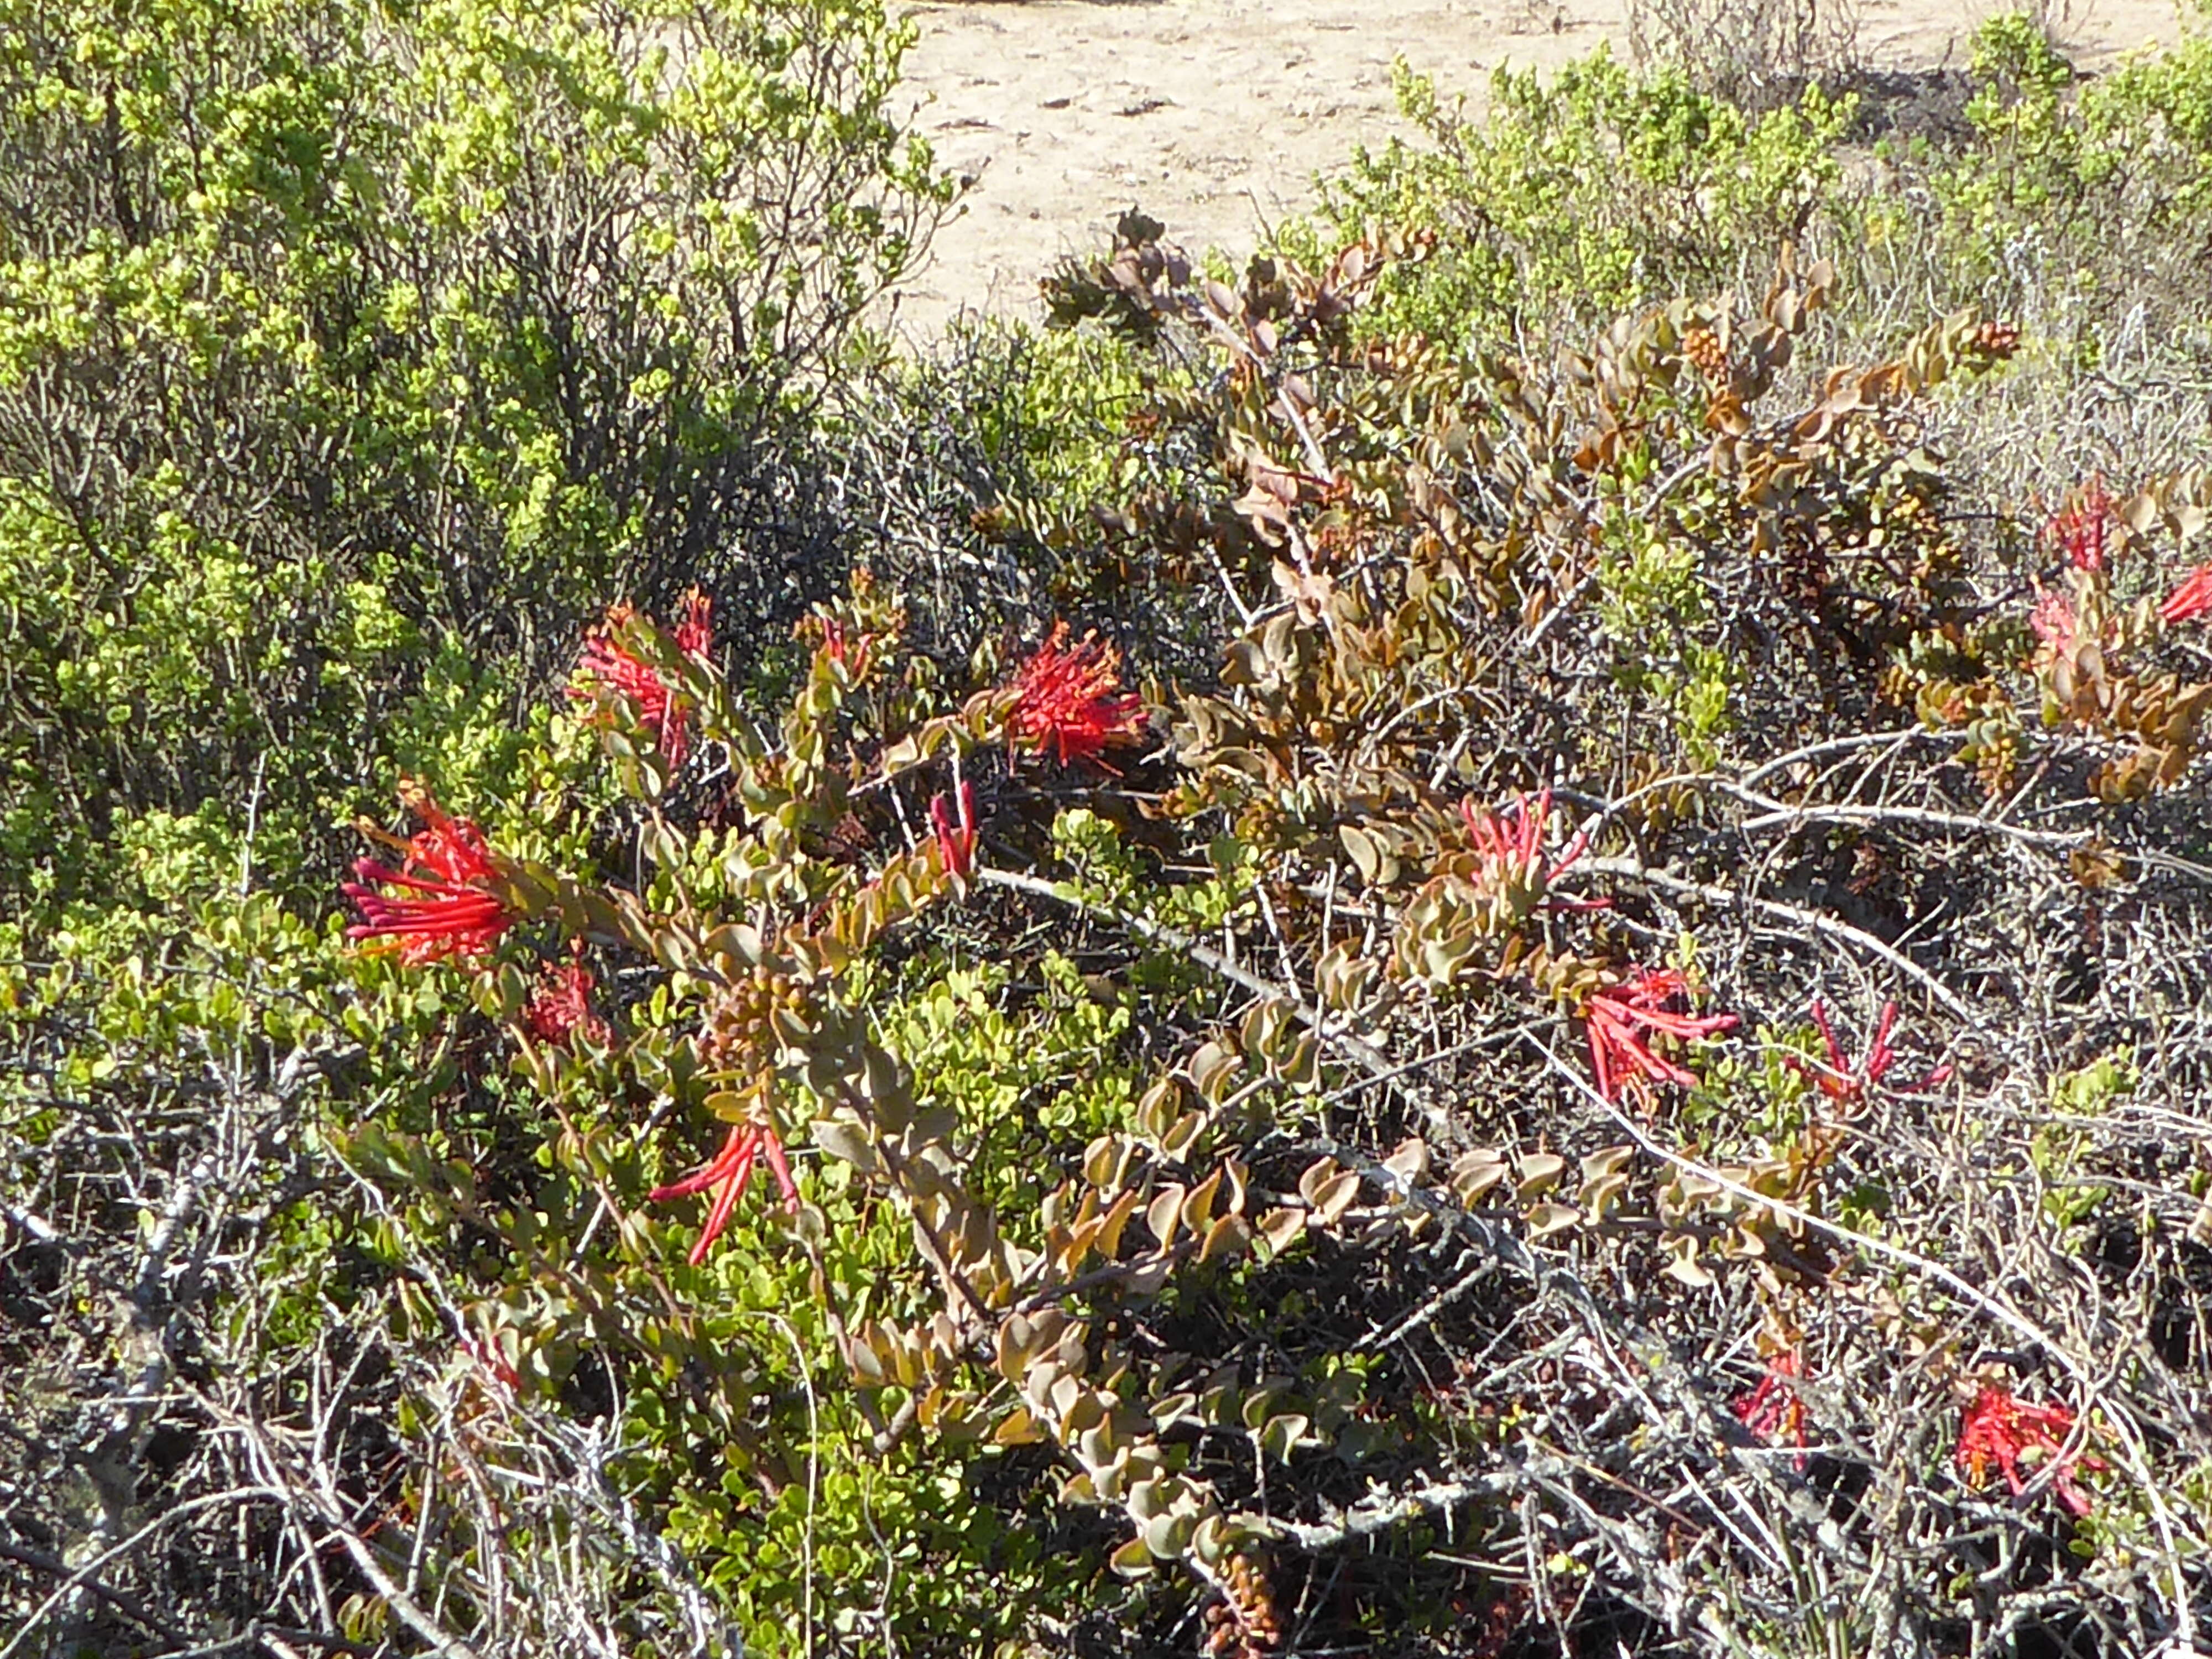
(606, 666)
(730, 1172)
(2191, 599)
(1622, 1018)
(2001, 1431)
(2054, 623)
(2080, 531)
(955, 841)
(842, 646)
(695, 635)
(563, 1005)
(1772, 1411)
(442, 907)
(1511, 848)
(1843, 1082)
(1068, 702)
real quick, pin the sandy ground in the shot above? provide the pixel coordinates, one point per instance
(1214, 115)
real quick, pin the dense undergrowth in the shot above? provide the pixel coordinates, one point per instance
(1579, 1027)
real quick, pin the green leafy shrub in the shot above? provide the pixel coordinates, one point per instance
(327, 335)
(2082, 197)
(1580, 196)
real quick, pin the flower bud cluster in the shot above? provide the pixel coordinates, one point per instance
(738, 1032)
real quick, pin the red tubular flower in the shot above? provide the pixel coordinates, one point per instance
(841, 645)
(1069, 703)
(956, 842)
(563, 1005)
(1621, 1019)
(1845, 1083)
(2192, 599)
(1518, 843)
(443, 908)
(2080, 532)
(1511, 848)
(729, 1173)
(2000, 1430)
(1772, 1411)
(607, 667)
(695, 635)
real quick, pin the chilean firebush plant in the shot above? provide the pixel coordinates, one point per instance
(1391, 968)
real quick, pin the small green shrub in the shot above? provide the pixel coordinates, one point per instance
(328, 334)
(1578, 196)
(2095, 190)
